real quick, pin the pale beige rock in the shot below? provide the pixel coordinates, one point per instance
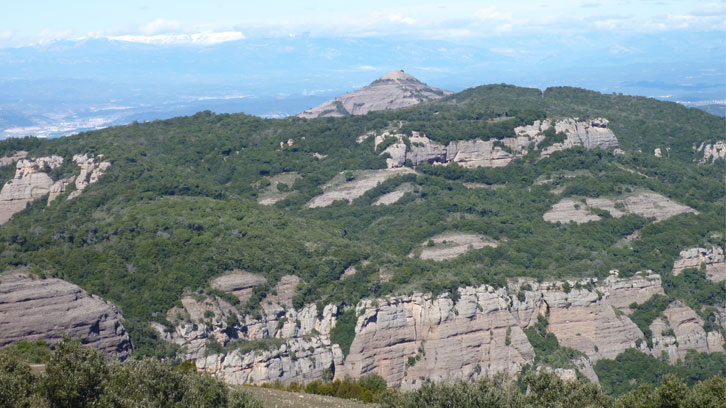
(364, 180)
(589, 134)
(622, 292)
(713, 152)
(285, 290)
(395, 195)
(394, 90)
(29, 184)
(687, 328)
(605, 204)
(59, 187)
(657, 152)
(452, 340)
(477, 153)
(569, 210)
(239, 283)
(33, 309)
(713, 258)
(449, 245)
(91, 169)
(649, 204)
(8, 160)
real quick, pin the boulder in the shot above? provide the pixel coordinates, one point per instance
(33, 309)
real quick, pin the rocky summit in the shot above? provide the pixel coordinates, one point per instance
(397, 89)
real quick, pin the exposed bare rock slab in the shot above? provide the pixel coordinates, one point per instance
(238, 283)
(713, 258)
(450, 245)
(712, 152)
(645, 204)
(589, 134)
(622, 292)
(29, 183)
(394, 90)
(476, 336)
(59, 187)
(655, 205)
(272, 194)
(35, 309)
(8, 160)
(395, 195)
(680, 330)
(285, 290)
(477, 153)
(91, 169)
(348, 190)
(570, 210)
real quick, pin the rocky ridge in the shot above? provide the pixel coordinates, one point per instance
(417, 337)
(31, 181)
(32, 309)
(394, 90)
(496, 153)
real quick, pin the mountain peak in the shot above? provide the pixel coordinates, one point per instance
(398, 75)
(394, 90)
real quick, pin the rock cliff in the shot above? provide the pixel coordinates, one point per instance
(713, 258)
(680, 329)
(31, 182)
(417, 337)
(33, 309)
(8, 160)
(394, 90)
(712, 152)
(493, 152)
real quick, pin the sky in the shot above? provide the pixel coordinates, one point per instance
(213, 21)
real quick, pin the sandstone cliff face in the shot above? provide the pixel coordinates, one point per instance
(712, 152)
(497, 153)
(406, 339)
(29, 183)
(394, 90)
(348, 190)
(680, 330)
(713, 258)
(34, 309)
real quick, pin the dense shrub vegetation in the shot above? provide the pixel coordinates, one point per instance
(77, 376)
(178, 207)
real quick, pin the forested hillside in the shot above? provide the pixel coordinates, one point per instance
(178, 206)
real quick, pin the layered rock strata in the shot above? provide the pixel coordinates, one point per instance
(493, 152)
(34, 309)
(712, 152)
(679, 330)
(91, 169)
(713, 258)
(343, 189)
(29, 183)
(415, 338)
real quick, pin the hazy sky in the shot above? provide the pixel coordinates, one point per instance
(214, 21)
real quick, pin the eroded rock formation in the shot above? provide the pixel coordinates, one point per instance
(33, 309)
(29, 183)
(713, 258)
(394, 90)
(681, 329)
(343, 188)
(712, 152)
(91, 169)
(493, 152)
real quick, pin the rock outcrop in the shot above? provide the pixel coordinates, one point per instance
(712, 152)
(681, 329)
(8, 160)
(713, 258)
(419, 337)
(91, 169)
(348, 186)
(394, 90)
(239, 283)
(645, 204)
(29, 183)
(33, 309)
(493, 152)
(450, 245)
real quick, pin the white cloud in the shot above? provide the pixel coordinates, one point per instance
(367, 68)
(160, 26)
(203, 38)
(398, 18)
